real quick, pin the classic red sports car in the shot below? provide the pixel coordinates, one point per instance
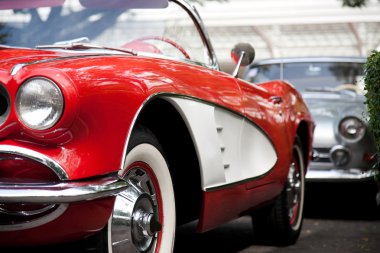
(116, 122)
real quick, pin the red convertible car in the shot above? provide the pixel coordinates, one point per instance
(116, 123)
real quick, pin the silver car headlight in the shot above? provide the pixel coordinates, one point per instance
(352, 129)
(39, 103)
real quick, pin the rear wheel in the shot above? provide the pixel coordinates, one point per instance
(281, 223)
(143, 218)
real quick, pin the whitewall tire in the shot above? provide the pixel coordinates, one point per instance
(144, 218)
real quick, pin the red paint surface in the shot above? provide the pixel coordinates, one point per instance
(78, 221)
(103, 95)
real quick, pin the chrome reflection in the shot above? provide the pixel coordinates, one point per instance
(38, 157)
(60, 209)
(340, 155)
(5, 210)
(294, 192)
(295, 187)
(134, 224)
(61, 192)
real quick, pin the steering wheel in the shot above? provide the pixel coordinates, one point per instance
(349, 86)
(160, 38)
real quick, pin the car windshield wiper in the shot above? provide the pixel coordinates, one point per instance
(74, 46)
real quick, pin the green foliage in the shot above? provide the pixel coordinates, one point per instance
(372, 85)
(354, 3)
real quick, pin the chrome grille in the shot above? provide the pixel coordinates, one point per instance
(321, 155)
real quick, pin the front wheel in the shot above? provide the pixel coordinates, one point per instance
(281, 223)
(143, 218)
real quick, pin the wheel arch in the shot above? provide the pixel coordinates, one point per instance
(173, 135)
(303, 135)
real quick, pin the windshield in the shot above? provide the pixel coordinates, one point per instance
(309, 76)
(166, 29)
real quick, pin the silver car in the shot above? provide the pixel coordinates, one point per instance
(333, 88)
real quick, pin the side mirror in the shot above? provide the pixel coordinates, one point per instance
(242, 54)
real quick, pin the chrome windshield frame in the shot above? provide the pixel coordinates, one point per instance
(192, 11)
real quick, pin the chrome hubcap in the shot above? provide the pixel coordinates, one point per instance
(294, 193)
(135, 221)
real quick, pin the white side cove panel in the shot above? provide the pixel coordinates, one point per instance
(229, 147)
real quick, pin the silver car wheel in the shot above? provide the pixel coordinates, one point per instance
(135, 223)
(144, 216)
(295, 189)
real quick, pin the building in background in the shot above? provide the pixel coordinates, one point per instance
(278, 28)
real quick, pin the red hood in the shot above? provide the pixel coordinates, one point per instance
(9, 57)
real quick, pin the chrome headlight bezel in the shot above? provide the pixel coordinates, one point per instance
(39, 103)
(352, 129)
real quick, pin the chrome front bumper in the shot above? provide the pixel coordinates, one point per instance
(339, 163)
(325, 172)
(62, 192)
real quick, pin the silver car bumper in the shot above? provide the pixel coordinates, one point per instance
(326, 172)
(61, 192)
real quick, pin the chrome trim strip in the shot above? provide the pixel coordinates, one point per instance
(26, 213)
(61, 192)
(36, 222)
(38, 157)
(16, 68)
(339, 175)
(19, 66)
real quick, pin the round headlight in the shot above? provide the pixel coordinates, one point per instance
(352, 129)
(39, 103)
(340, 156)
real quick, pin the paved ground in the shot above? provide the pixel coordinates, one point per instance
(337, 221)
(318, 236)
